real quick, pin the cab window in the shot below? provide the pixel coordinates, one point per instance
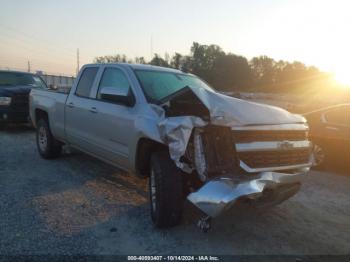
(86, 81)
(115, 78)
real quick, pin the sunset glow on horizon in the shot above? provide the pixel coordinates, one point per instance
(312, 32)
(343, 78)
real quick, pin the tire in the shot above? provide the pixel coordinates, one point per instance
(47, 145)
(165, 190)
(320, 157)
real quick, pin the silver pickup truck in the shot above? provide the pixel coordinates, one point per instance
(191, 141)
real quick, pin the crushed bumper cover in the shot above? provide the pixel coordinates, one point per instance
(220, 194)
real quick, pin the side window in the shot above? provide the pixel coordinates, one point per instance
(86, 81)
(113, 77)
(339, 116)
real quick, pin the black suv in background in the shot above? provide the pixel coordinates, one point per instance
(14, 95)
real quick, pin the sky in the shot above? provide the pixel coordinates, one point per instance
(47, 33)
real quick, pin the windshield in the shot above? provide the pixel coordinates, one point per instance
(159, 84)
(20, 79)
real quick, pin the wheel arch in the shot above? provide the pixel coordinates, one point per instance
(40, 114)
(145, 148)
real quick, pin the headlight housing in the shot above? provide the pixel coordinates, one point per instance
(199, 155)
(214, 152)
(5, 101)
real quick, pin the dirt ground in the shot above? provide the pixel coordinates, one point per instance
(78, 205)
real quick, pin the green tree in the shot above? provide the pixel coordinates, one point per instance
(140, 60)
(176, 61)
(112, 59)
(264, 71)
(231, 73)
(203, 58)
(159, 61)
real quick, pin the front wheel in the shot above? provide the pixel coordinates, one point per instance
(48, 146)
(166, 191)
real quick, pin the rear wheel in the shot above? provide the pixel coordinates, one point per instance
(48, 146)
(166, 191)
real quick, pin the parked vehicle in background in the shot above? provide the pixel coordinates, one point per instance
(330, 134)
(57, 81)
(14, 95)
(172, 127)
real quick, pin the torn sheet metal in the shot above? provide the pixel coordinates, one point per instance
(175, 132)
(222, 193)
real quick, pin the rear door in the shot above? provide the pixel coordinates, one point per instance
(78, 110)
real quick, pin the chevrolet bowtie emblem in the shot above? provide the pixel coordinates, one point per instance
(285, 145)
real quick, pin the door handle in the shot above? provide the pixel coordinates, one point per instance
(93, 110)
(70, 105)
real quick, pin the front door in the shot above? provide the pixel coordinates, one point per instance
(113, 123)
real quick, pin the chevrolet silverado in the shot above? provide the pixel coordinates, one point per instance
(190, 140)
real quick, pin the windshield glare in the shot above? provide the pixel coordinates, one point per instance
(159, 84)
(20, 79)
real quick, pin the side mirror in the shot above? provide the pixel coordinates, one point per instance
(118, 95)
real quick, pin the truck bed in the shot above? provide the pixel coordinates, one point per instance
(53, 102)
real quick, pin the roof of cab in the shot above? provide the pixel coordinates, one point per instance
(141, 67)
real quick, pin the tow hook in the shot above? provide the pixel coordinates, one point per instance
(204, 224)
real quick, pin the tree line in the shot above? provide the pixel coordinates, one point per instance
(235, 73)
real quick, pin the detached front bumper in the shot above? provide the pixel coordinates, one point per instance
(222, 193)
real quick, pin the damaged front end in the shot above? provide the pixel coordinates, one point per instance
(250, 166)
(237, 150)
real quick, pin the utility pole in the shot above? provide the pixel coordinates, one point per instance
(28, 66)
(151, 47)
(78, 66)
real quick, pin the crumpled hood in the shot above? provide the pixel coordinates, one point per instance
(229, 111)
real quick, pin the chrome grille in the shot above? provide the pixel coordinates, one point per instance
(276, 158)
(246, 136)
(272, 147)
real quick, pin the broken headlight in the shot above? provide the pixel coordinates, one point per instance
(199, 155)
(214, 152)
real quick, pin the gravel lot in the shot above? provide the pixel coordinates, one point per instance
(79, 205)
